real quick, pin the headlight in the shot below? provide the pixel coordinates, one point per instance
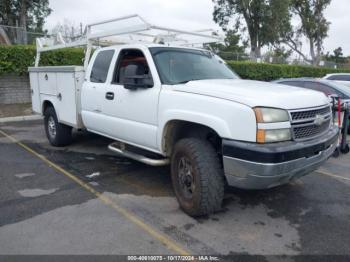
(270, 115)
(273, 135)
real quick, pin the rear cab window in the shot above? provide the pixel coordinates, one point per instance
(101, 66)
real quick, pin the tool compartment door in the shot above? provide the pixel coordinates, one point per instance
(35, 92)
(47, 82)
(59, 85)
(66, 98)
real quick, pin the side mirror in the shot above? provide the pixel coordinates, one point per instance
(135, 77)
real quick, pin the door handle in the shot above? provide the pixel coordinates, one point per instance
(109, 95)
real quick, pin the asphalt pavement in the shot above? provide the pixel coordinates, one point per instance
(83, 199)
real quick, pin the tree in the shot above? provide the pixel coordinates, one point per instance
(7, 12)
(230, 49)
(27, 14)
(337, 57)
(279, 55)
(265, 20)
(68, 29)
(314, 26)
(230, 44)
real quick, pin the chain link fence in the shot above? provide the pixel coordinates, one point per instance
(13, 35)
(267, 58)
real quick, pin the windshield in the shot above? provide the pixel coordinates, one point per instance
(178, 65)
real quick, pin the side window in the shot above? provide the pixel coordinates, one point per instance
(101, 65)
(130, 57)
(293, 83)
(344, 78)
(340, 77)
(334, 77)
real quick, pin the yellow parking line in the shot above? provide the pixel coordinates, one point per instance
(172, 245)
(332, 175)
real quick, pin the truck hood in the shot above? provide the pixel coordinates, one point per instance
(256, 93)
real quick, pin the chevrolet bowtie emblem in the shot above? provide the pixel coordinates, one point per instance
(319, 120)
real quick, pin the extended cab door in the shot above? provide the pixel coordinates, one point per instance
(93, 91)
(132, 114)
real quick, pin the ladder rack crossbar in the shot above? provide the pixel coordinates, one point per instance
(143, 28)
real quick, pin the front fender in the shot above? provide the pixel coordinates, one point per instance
(215, 123)
(229, 119)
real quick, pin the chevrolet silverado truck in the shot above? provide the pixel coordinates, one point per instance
(184, 106)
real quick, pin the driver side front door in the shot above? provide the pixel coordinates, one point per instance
(132, 115)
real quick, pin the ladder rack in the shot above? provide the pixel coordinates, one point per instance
(131, 29)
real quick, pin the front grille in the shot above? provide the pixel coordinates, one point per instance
(305, 124)
(302, 115)
(310, 130)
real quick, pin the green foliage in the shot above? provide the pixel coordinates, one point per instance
(279, 55)
(29, 13)
(6, 67)
(230, 44)
(265, 21)
(336, 57)
(314, 26)
(17, 59)
(269, 72)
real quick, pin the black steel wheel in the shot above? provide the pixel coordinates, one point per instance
(58, 134)
(197, 177)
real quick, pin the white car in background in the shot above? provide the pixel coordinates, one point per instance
(343, 78)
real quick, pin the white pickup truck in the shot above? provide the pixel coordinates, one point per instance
(179, 105)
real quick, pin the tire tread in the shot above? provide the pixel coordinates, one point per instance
(64, 132)
(211, 175)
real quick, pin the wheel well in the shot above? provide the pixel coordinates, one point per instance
(46, 105)
(178, 129)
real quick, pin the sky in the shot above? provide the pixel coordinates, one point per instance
(183, 14)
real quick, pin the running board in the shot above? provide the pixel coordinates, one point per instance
(116, 148)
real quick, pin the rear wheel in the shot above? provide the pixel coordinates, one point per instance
(58, 134)
(197, 177)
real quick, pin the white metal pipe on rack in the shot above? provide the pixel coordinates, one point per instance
(186, 32)
(140, 29)
(123, 31)
(117, 19)
(61, 46)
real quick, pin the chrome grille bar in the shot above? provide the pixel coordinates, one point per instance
(311, 122)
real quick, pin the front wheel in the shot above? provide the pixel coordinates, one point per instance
(197, 177)
(58, 134)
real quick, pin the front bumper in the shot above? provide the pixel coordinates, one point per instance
(256, 166)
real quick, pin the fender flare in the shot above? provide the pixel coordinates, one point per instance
(213, 122)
